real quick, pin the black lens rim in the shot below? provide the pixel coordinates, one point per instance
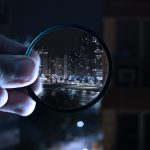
(99, 97)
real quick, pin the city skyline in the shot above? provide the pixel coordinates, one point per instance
(74, 67)
(84, 64)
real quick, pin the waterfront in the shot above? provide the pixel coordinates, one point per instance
(69, 96)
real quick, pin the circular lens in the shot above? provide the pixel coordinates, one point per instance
(75, 67)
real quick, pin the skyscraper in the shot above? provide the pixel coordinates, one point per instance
(44, 68)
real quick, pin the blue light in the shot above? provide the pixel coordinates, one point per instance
(80, 124)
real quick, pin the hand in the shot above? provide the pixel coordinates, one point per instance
(16, 72)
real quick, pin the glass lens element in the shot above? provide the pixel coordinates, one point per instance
(74, 67)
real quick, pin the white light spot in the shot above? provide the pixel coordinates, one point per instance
(80, 124)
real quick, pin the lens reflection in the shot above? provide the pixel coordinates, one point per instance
(74, 67)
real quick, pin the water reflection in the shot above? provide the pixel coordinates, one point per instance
(62, 97)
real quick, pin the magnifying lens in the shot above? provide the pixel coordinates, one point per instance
(75, 68)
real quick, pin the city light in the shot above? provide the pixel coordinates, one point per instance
(80, 124)
(82, 67)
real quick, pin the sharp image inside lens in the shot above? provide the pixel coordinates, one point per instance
(74, 67)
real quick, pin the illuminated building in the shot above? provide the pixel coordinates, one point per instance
(61, 67)
(44, 68)
(87, 62)
(65, 67)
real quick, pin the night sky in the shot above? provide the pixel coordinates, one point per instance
(61, 41)
(32, 17)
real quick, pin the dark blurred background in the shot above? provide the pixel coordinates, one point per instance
(122, 121)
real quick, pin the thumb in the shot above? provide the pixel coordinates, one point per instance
(3, 97)
(17, 71)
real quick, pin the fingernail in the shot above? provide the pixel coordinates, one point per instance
(24, 69)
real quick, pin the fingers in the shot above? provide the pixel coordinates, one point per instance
(37, 86)
(7, 63)
(8, 46)
(18, 103)
(3, 97)
(36, 57)
(17, 71)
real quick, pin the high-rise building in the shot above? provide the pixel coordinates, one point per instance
(61, 67)
(44, 68)
(65, 66)
(59, 64)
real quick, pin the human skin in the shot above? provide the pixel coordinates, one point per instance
(16, 72)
